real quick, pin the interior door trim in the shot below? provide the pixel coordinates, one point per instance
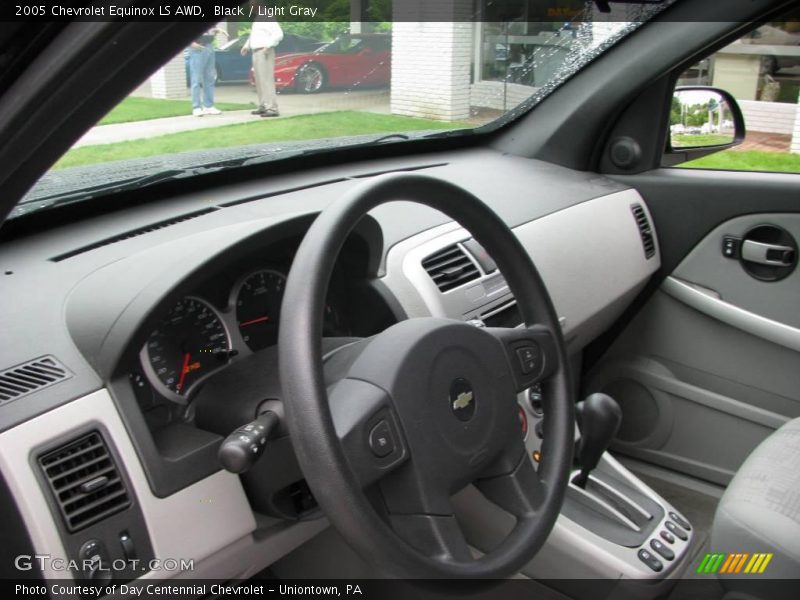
(716, 308)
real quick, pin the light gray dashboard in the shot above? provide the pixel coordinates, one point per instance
(83, 293)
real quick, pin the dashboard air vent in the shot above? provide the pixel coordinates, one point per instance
(450, 268)
(648, 241)
(85, 482)
(25, 379)
(132, 234)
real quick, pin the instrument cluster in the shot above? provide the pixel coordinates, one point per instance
(196, 337)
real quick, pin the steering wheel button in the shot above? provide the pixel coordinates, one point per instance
(381, 441)
(528, 358)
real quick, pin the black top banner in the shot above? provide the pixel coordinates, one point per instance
(499, 11)
(556, 11)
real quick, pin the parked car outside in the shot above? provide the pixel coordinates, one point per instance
(349, 61)
(232, 67)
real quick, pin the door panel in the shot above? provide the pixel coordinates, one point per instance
(709, 366)
(708, 267)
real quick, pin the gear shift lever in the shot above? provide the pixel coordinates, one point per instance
(599, 417)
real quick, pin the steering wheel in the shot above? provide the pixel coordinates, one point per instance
(389, 428)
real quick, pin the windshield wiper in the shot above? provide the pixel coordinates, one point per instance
(82, 194)
(329, 145)
(132, 183)
(391, 136)
(250, 158)
(450, 133)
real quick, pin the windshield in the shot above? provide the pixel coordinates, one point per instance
(273, 87)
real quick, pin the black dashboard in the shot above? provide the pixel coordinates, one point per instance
(163, 317)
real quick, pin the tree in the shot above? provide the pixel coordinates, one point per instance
(675, 111)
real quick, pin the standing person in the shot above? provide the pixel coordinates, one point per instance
(203, 74)
(264, 37)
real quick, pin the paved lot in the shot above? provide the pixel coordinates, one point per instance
(372, 100)
(766, 142)
(290, 105)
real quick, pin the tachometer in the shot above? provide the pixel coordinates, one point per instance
(189, 343)
(258, 308)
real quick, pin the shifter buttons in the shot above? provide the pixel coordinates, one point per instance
(662, 549)
(651, 561)
(680, 520)
(677, 531)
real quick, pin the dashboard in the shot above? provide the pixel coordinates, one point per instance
(163, 320)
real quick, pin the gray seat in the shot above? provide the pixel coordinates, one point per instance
(760, 513)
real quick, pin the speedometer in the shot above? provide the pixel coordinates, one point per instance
(190, 343)
(258, 307)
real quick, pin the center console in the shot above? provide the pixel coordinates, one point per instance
(627, 529)
(612, 526)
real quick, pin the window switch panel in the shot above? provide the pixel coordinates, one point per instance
(731, 246)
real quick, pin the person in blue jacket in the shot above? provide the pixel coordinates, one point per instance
(202, 74)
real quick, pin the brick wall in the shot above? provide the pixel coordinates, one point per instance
(499, 96)
(769, 117)
(170, 80)
(431, 69)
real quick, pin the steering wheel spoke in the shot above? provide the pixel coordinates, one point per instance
(531, 353)
(368, 429)
(436, 536)
(519, 491)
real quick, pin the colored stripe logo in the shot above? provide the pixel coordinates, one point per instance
(735, 563)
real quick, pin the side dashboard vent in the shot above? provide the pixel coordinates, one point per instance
(85, 482)
(132, 234)
(29, 377)
(645, 231)
(450, 268)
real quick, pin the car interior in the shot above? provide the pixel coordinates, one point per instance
(533, 350)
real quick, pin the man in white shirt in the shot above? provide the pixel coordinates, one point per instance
(264, 37)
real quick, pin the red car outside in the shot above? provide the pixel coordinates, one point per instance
(349, 61)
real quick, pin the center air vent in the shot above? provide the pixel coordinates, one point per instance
(450, 268)
(648, 241)
(85, 482)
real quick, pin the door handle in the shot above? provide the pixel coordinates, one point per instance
(773, 255)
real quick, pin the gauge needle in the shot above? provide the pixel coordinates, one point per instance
(184, 370)
(263, 319)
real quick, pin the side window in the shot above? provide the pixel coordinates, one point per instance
(761, 70)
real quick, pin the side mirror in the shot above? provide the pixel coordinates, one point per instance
(703, 120)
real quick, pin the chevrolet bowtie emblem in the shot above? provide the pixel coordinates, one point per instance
(463, 400)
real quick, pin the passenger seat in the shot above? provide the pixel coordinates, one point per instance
(760, 513)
